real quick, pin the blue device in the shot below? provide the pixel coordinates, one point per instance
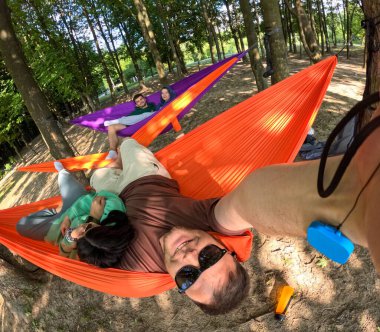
(329, 241)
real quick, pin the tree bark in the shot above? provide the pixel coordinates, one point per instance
(214, 35)
(112, 52)
(346, 10)
(221, 41)
(333, 28)
(81, 59)
(328, 47)
(131, 52)
(307, 35)
(254, 55)
(209, 32)
(150, 38)
(232, 27)
(103, 62)
(170, 38)
(273, 27)
(258, 28)
(320, 23)
(32, 95)
(181, 56)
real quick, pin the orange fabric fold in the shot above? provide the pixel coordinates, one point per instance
(112, 281)
(210, 161)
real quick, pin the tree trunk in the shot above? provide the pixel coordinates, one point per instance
(320, 23)
(150, 38)
(371, 11)
(209, 32)
(254, 55)
(32, 95)
(346, 10)
(333, 29)
(170, 38)
(260, 35)
(14, 147)
(180, 56)
(286, 27)
(215, 36)
(81, 58)
(325, 31)
(232, 26)
(221, 42)
(311, 17)
(129, 45)
(113, 51)
(238, 29)
(307, 35)
(273, 27)
(103, 62)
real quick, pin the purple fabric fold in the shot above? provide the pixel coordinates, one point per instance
(96, 120)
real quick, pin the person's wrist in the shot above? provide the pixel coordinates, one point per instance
(68, 236)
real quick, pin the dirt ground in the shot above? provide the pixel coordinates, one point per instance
(328, 296)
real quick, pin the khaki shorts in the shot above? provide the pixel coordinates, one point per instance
(137, 160)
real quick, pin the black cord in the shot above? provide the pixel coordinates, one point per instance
(351, 151)
(357, 197)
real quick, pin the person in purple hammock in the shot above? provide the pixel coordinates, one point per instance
(143, 109)
(167, 95)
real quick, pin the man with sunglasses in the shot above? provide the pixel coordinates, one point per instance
(275, 200)
(171, 231)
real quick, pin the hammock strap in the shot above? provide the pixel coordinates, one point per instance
(352, 149)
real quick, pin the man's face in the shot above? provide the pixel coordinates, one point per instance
(181, 246)
(141, 102)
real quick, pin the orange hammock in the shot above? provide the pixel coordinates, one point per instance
(210, 161)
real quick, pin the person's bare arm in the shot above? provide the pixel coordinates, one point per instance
(279, 199)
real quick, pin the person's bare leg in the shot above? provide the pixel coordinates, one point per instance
(112, 135)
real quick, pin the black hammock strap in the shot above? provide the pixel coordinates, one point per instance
(352, 149)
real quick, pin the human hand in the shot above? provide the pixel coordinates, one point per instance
(65, 225)
(97, 207)
(78, 232)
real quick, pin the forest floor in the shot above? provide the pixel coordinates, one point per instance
(328, 296)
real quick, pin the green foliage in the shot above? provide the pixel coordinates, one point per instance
(322, 262)
(12, 109)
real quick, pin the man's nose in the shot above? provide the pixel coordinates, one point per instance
(190, 253)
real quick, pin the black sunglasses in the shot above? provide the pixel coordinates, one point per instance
(189, 274)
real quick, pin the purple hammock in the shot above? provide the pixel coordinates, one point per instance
(96, 120)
